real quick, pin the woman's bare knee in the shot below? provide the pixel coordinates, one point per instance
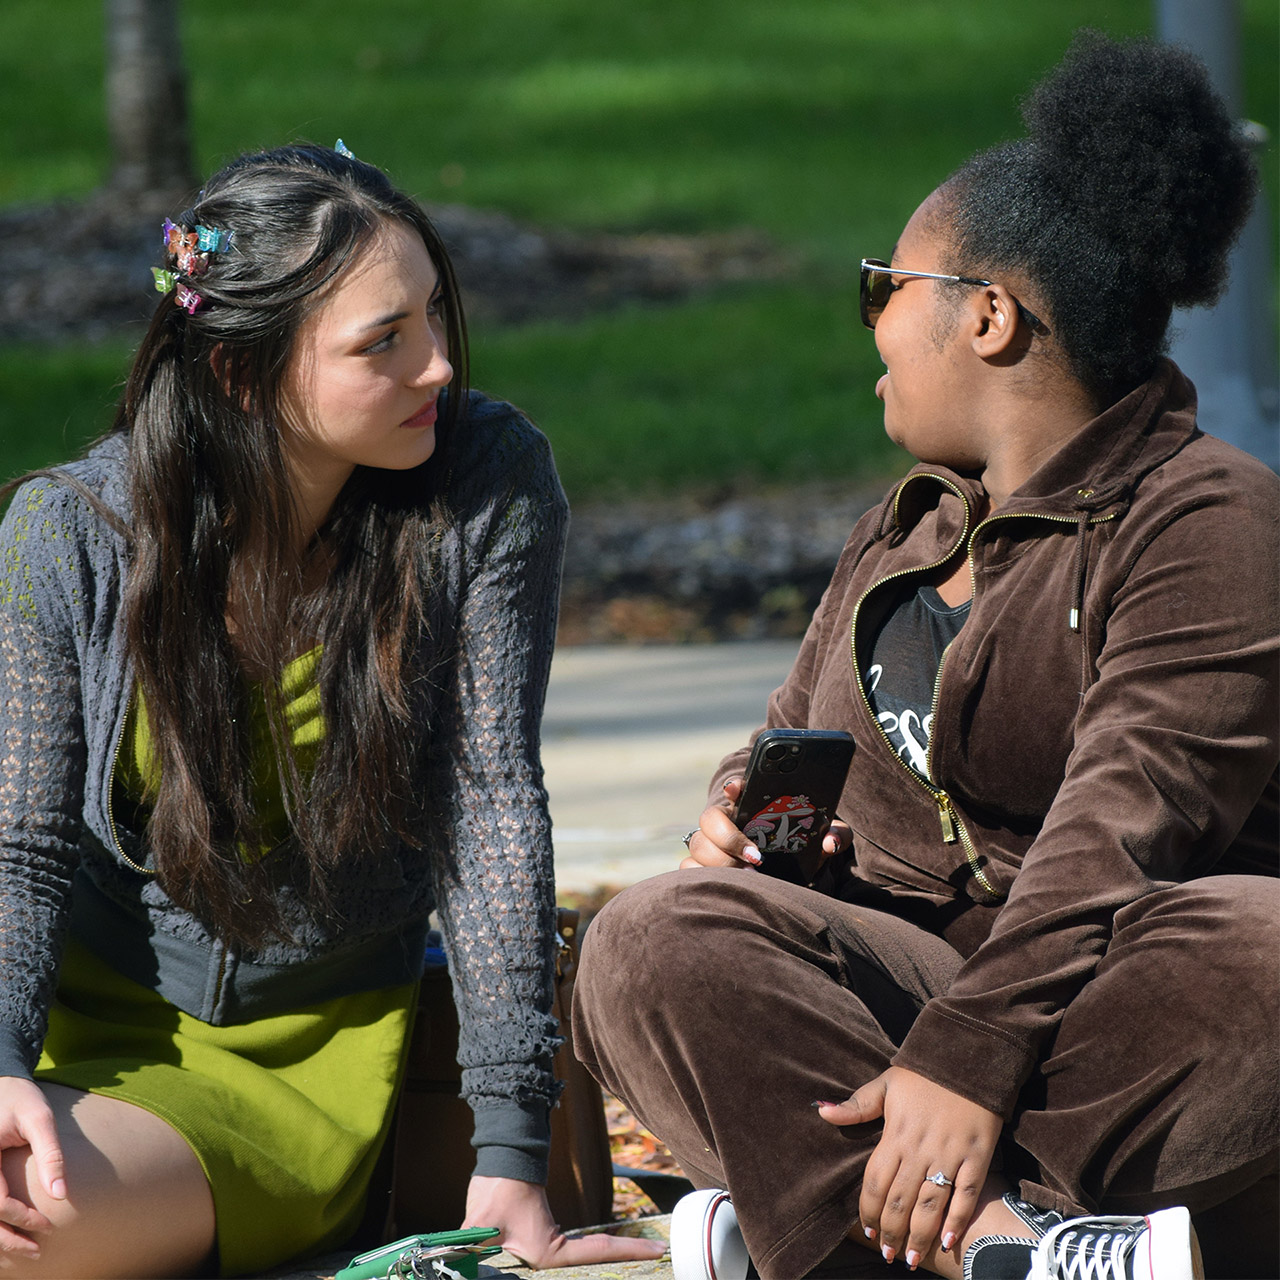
(137, 1203)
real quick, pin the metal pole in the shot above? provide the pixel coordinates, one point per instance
(1229, 350)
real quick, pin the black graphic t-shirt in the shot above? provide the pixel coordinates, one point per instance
(903, 668)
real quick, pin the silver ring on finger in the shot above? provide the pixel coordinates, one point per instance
(940, 1179)
(686, 839)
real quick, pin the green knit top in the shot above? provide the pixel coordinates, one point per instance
(138, 770)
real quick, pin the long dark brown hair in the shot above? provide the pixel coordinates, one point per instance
(213, 525)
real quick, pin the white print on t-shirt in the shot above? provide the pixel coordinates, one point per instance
(902, 730)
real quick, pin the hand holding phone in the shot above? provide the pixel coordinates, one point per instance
(793, 784)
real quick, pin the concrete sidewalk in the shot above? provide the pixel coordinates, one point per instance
(631, 737)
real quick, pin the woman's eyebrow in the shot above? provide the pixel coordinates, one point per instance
(385, 320)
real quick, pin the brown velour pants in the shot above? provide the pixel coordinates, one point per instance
(720, 1003)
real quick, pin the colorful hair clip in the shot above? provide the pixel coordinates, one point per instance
(178, 239)
(184, 245)
(343, 150)
(191, 249)
(211, 240)
(188, 299)
(190, 252)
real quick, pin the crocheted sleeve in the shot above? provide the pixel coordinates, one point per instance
(496, 896)
(42, 765)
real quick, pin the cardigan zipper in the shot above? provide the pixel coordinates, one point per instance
(111, 792)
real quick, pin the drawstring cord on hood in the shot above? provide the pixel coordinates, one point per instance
(1084, 507)
(1082, 558)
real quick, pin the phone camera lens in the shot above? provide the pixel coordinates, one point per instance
(775, 751)
(789, 764)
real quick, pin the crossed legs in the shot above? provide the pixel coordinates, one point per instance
(719, 1004)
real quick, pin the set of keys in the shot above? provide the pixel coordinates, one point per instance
(442, 1255)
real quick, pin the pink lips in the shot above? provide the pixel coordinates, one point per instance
(425, 417)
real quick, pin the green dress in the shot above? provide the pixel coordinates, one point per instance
(286, 1114)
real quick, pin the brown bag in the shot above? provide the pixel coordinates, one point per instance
(432, 1157)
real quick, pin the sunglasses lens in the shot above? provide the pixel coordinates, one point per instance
(877, 286)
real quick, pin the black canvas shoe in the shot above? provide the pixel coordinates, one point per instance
(1159, 1246)
(1039, 1220)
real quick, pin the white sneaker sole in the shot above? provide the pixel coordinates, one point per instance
(1170, 1250)
(706, 1243)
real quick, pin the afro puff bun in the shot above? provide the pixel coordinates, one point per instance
(1136, 133)
(1121, 203)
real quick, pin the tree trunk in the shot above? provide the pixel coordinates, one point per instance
(147, 100)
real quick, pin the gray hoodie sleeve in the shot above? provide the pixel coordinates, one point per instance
(497, 898)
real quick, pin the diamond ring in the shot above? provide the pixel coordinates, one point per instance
(940, 1179)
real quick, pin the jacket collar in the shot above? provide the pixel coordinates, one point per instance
(1095, 472)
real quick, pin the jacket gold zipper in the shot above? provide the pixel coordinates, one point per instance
(1033, 515)
(950, 821)
(953, 827)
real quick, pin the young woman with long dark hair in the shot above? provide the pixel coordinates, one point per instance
(275, 655)
(1039, 966)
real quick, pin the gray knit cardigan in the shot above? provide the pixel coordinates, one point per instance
(486, 859)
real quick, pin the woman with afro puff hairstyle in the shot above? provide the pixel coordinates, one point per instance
(1022, 1020)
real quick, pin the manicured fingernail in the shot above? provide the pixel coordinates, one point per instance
(869, 1232)
(888, 1252)
(751, 854)
(58, 1190)
(948, 1239)
(824, 1104)
(913, 1259)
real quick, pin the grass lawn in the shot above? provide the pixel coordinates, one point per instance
(819, 122)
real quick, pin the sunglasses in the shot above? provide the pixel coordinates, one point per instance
(877, 286)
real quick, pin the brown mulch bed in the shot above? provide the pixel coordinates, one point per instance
(80, 270)
(695, 568)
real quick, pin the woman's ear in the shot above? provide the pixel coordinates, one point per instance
(1002, 329)
(220, 363)
(998, 322)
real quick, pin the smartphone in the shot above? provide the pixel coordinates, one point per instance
(789, 796)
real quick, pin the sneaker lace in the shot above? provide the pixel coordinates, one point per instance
(1087, 1249)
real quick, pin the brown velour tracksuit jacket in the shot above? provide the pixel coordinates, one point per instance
(1105, 723)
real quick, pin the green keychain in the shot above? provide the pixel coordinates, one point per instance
(414, 1257)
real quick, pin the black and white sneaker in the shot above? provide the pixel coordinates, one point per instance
(1159, 1246)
